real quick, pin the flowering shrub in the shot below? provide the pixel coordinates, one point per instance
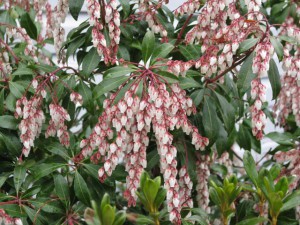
(177, 96)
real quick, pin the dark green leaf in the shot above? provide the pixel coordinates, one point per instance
(281, 138)
(19, 176)
(188, 82)
(45, 169)
(23, 71)
(81, 189)
(126, 7)
(161, 51)
(85, 92)
(90, 61)
(277, 46)
(190, 52)
(61, 187)
(209, 119)
(148, 46)
(108, 85)
(250, 167)
(75, 7)
(118, 71)
(27, 23)
(247, 44)
(16, 89)
(274, 78)
(197, 96)
(291, 201)
(253, 221)
(8, 122)
(246, 75)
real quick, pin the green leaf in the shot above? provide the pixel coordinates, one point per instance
(143, 220)
(227, 112)
(291, 201)
(19, 176)
(197, 96)
(161, 51)
(61, 188)
(209, 119)
(108, 85)
(108, 214)
(252, 221)
(274, 78)
(247, 44)
(85, 92)
(148, 46)
(188, 82)
(246, 75)
(277, 46)
(160, 197)
(74, 45)
(23, 71)
(168, 77)
(190, 52)
(281, 138)
(90, 61)
(45, 169)
(126, 7)
(244, 137)
(30, 27)
(81, 189)
(31, 191)
(120, 218)
(118, 71)
(8, 122)
(2, 101)
(75, 7)
(16, 89)
(250, 167)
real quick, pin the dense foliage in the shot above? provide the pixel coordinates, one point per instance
(150, 126)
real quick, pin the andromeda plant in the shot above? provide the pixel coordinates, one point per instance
(179, 96)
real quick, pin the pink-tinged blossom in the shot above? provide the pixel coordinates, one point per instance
(293, 158)
(202, 170)
(289, 97)
(32, 120)
(111, 19)
(5, 219)
(56, 125)
(130, 121)
(260, 67)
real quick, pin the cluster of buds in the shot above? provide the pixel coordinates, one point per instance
(49, 20)
(25, 4)
(293, 157)
(148, 12)
(288, 99)
(260, 66)
(56, 124)
(20, 33)
(189, 7)
(7, 220)
(226, 161)
(76, 98)
(203, 173)
(253, 7)
(130, 122)
(38, 8)
(32, 120)
(59, 16)
(186, 186)
(112, 20)
(179, 67)
(5, 67)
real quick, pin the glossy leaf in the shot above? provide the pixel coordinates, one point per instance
(148, 46)
(28, 24)
(274, 78)
(81, 189)
(75, 7)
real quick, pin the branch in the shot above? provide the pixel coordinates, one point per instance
(182, 30)
(10, 51)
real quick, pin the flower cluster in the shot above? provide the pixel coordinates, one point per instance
(76, 98)
(56, 124)
(111, 19)
(289, 96)
(32, 120)
(5, 67)
(293, 169)
(226, 161)
(186, 186)
(59, 16)
(7, 220)
(260, 66)
(20, 33)
(130, 122)
(189, 7)
(203, 173)
(148, 13)
(179, 67)
(253, 7)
